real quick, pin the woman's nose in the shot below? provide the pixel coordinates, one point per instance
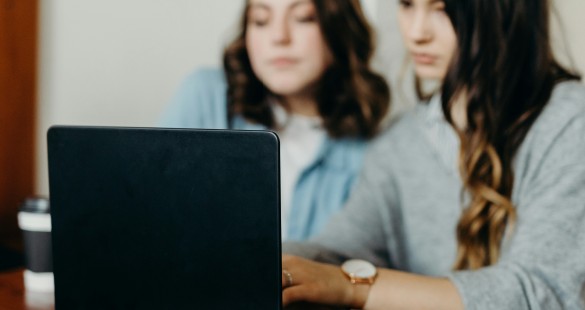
(420, 30)
(281, 32)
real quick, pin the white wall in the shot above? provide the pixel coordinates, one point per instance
(117, 62)
(568, 39)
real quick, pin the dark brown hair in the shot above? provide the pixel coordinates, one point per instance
(505, 70)
(352, 99)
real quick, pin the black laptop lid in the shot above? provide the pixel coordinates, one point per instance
(165, 218)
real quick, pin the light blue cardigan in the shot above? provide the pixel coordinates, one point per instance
(323, 186)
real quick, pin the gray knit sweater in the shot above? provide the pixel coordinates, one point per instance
(405, 208)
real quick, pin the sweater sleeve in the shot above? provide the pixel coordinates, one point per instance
(543, 263)
(200, 102)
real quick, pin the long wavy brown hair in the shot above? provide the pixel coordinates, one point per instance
(352, 99)
(505, 72)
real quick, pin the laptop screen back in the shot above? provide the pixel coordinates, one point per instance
(165, 218)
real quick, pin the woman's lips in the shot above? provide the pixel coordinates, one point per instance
(424, 59)
(283, 62)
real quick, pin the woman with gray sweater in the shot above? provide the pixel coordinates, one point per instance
(476, 198)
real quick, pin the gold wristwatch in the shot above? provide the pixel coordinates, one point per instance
(359, 271)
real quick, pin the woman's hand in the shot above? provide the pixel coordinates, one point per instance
(307, 281)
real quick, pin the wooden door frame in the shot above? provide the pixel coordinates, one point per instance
(18, 89)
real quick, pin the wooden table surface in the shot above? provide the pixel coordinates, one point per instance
(13, 296)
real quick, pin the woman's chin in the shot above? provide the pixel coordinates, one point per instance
(285, 88)
(429, 72)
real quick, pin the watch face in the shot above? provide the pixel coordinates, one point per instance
(359, 268)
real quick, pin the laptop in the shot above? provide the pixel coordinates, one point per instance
(153, 218)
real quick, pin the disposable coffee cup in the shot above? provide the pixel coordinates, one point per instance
(34, 220)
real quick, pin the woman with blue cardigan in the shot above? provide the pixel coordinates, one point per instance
(300, 68)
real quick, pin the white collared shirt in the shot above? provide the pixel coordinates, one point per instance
(300, 140)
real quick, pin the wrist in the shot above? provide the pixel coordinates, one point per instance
(360, 293)
(360, 275)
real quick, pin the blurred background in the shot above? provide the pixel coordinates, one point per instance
(112, 62)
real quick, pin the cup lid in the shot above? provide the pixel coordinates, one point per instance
(36, 205)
